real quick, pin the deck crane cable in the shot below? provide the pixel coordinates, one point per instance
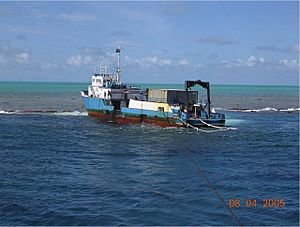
(218, 129)
(198, 129)
(193, 127)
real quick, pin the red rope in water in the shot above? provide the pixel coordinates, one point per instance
(213, 188)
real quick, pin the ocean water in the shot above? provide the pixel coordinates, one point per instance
(60, 167)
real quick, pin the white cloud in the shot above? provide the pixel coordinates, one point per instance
(284, 62)
(262, 60)
(239, 62)
(22, 58)
(77, 17)
(79, 60)
(226, 63)
(183, 62)
(148, 61)
(157, 61)
(253, 61)
(250, 62)
(292, 64)
(11, 55)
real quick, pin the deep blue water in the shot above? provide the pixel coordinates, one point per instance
(65, 168)
(74, 170)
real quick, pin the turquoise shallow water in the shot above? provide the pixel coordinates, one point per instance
(237, 90)
(240, 90)
(66, 96)
(71, 169)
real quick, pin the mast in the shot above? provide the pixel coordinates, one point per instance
(208, 100)
(100, 69)
(118, 68)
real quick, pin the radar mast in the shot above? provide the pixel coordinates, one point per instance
(118, 67)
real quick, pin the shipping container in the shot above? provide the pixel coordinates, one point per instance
(172, 96)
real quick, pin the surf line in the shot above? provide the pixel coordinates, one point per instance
(211, 186)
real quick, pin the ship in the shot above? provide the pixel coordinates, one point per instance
(112, 101)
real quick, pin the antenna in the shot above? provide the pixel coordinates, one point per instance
(118, 68)
(100, 65)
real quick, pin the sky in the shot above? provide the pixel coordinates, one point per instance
(224, 42)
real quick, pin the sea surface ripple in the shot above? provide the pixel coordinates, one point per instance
(75, 170)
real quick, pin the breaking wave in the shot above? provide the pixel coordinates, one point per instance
(7, 112)
(80, 113)
(46, 112)
(266, 109)
(72, 113)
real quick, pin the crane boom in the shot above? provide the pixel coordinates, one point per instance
(191, 83)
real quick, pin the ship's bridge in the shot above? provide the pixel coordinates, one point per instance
(104, 80)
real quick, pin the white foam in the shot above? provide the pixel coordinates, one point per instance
(219, 108)
(261, 110)
(266, 109)
(7, 112)
(63, 113)
(71, 113)
(290, 110)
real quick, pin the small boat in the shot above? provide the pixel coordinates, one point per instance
(111, 100)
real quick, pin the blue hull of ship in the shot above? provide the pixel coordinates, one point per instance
(95, 106)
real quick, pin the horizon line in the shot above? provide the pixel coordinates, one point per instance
(79, 82)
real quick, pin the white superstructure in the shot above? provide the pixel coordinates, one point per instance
(108, 86)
